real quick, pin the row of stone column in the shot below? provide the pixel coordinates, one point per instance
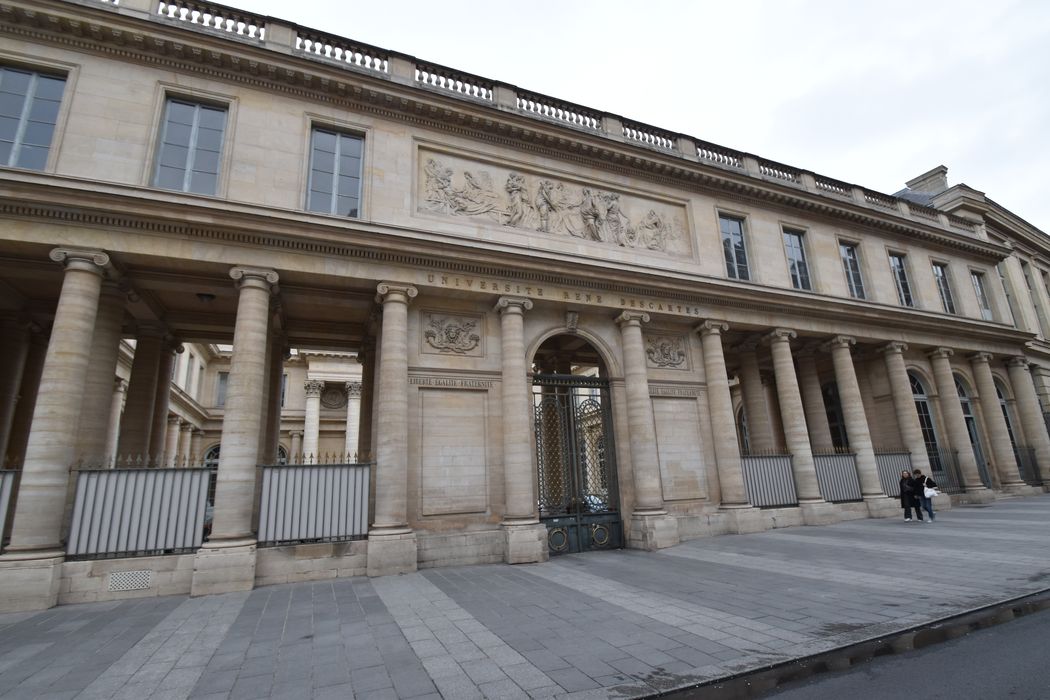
(307, 442)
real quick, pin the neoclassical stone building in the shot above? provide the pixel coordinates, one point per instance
(528, 326)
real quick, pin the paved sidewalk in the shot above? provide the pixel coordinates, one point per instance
(603, 625)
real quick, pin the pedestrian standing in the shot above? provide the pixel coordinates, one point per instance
(908, 499)
(924, 484)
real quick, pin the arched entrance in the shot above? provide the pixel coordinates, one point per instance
(575, 454)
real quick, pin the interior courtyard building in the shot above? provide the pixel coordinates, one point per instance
(281, 306)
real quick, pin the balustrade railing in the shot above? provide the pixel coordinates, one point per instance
(316, 44)
(837, 477)
(454, 81)
(217, 17)
(718, 155)
(923, 212)
(565, 112)
(313, 503)
(138, 512)
(890, 464)
(769, 480)
(777, 171)
(880, 200)
(649, 135)
(834, 187)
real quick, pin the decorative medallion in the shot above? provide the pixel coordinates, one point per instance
(600, 535)
(666, 351)
(333, 396)
(451, 335)
(558, 539)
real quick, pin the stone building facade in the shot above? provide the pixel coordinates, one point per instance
(546, 327)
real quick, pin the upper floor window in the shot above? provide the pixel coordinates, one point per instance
(982, 295)
(851, 264)
(29, 103)
(898, 266)
(222, 382)
(798, 268)
(190, 147)
(944, 287)
(1006, 292)
(733, 247)
(335, 173)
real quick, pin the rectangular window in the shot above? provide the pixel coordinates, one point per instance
(190, 364)
(29, 103)
(222, 380)
(200, 383)
(982, 296)
(899, 269)
(335, 173)
(190, 147)
(851, 264)
(940, 276)
(733, 247)
(1006, 293)
(284, 386)
(798, 268)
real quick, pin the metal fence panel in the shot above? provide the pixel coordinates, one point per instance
(1027, 465)
(315, 502)
(890, 466)
(945, 465)
(769, 480)
(837, 477)
(128, 512)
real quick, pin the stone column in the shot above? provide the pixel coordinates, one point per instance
(759, 423)
(227, 561)
(159, 434)
(526, 539)
(814, 509)
(958, 435)
(995, 422)
(857, 428)
(651, 527)
(197, 447)
(391, 542)
(276, 356)
(137, 423)
(904, 405)
(312, 421)
(27, 392)
(723, 427)
(171, 442)
(184, 457)
(813, 401)
(297, 447)
(116, 407)
(353, 419)
(366, 357)
(1031, 414)
(30, 568)
(14, 349)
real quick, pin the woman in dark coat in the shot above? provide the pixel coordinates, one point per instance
(908, 498)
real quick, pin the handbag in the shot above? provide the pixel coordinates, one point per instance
(928, 492)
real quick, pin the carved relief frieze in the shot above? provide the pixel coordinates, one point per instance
(453, 334)
(666, 351)
(516, 199)
(333, 396)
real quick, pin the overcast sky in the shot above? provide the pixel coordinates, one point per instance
(873, 93)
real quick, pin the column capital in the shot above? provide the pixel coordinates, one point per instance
(750, 345)
(839, 341)
(940, 353)
(174, 420)
(313, 387)
(632, 318)
(120, 384)
(257, 275)
(88, 260)
(188, 427)
(198, 432)
(353, 390)
(711, 327)
(785, 335)
(1018, 361)
(295, 433)
(512, 304)
(981, 357)
(895, 347)
(395, 291)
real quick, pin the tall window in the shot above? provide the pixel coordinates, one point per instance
(223, 380)
(1006, 293)
(982, 296)
(929, 433)
(188, 374)
(190, 147)
(1006, 412)
(335, 173)
(29, 103)
(733, 247)
(284, 387)
(795, 247)
(971, 427)
(851, 264)
(898, 266)
(944, 287)
(1040, 313)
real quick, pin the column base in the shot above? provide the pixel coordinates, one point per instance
(742, 520)
(1022, 489)
(882, 506)
(224, 566)
(819, 513)
(526, 542)
(30, 580)
(977, 495)
(391, 552)
(652, 531)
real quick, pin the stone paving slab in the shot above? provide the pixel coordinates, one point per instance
(601, 625)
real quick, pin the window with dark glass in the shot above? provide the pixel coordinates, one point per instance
(223, 381)
(898, 266)
(190, 147)
(798, 268)
(982, 296)
(733, 247)
(851, 265)
(29, 103)
(929, 433)
(1006, 293)
(944, 287)
(335, 173)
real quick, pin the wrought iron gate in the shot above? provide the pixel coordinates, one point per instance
(577, 468)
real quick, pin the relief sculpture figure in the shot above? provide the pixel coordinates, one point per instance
(520, 211)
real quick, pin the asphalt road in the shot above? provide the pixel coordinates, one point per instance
(1010, 660)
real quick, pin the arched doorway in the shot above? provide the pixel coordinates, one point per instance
(575, 454)
(971, 428)
(938, 460)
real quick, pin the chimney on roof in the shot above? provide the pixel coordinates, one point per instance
(932, 182)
